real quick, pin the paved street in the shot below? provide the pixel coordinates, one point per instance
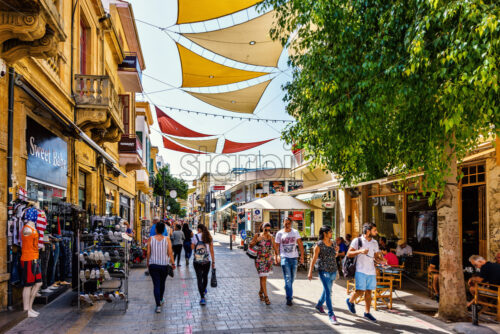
(233, 307)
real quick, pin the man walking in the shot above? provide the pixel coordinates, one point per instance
(286, 243)
(367, 252)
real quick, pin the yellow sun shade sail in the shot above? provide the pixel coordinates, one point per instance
(205, 145)
(190, 11)
(201, 72)
(243, 100)
(248, 42)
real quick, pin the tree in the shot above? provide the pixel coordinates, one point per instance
(171, 183)
(395, 87)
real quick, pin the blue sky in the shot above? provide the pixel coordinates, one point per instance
(162, 62)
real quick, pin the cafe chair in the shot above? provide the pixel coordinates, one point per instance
(488, 296)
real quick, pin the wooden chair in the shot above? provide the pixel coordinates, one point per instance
(488, 296)
(430, 282)
(382, 295)
(396, 275)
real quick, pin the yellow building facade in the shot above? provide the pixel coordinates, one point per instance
(67, 116)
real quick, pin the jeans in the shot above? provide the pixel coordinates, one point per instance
(202, 271)
(159, 276)
(187, 249)
(289, 266)
(177, 253)
(44, 256)
(55, 260)
(15, 276)
(327, 279)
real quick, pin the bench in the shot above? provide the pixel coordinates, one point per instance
(488, 296)
(381, 296)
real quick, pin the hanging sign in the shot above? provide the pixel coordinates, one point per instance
(257, 215)
(47, 155)
(298, 215)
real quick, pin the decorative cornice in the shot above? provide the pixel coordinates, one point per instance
(45, 47)
(25, 27)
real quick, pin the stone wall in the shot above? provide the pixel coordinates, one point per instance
(493, 209)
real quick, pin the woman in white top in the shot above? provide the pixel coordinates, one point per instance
(158, 255)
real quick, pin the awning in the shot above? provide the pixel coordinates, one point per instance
(321, 187)
(310, 196)
(190, 11)
(226, 206)
(170, 126)
(204, 145)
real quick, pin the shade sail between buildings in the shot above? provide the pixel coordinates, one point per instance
(205, 145)
(242, 100)
(167, 143)
(190, 11)
(198, 71)
(170, 127)
(279, 201)
(248, 42)
(233, 147)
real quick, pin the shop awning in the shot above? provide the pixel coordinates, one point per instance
(248, 42)
(310, 196)
(317, 188)
(226, 206)
(198, 71)
(190, 11)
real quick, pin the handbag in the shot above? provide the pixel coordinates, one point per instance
(170, 271)
(252, 253)
(213, 279)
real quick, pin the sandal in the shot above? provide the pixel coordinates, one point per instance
(267, 301)
(261, 295)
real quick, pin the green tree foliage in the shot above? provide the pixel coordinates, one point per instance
(382, 87)
(171, 183)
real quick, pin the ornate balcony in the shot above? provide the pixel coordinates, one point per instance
(98, 107)
(130, 149)
(130, 74)
(29, 28)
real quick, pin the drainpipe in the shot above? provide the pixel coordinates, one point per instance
(10, 110)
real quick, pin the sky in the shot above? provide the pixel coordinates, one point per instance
(163, 64)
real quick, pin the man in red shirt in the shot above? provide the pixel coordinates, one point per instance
(391, 258)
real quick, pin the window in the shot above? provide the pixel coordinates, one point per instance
(84, 44)
(473, 175)
(421, 227)
(386, 212)
(82, 186)
(126, 113)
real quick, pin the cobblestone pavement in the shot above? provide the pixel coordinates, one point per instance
(232, 307)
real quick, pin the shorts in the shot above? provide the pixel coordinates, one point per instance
(365, 282)
(32, 272)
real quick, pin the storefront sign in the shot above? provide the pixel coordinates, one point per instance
(257, 215)
(276, 186)
(219, 187)
(298, 215)
(240, 196)
(328, 205)
(47, 155)
(294, 185)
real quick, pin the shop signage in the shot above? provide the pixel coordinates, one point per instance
(329, 205)
(240, 196)
(294, 185)
(47, 155)
(249, 216)
(298, 215)
(219, 187)
(257, 215)
(276, 186)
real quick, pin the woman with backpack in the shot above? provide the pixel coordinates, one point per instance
(203, 247)
(158, 254)
(325, 252)
(264, 245)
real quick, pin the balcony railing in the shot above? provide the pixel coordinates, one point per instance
(130, 144)
(96, 91)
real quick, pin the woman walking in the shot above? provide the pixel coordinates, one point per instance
(263, 243)
(158, 254)
(177, 241)
(325, 253)
(188, 234)
(203, 247)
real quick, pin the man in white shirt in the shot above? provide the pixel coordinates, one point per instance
(403, 249)
(365, 248)
(285, 245)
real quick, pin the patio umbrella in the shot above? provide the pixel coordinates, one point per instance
(279, 201)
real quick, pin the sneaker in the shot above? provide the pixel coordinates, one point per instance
(350, 306)
(320, 309)
(158, 309)
(203, 302)
(162, 301)
(107, 257)
(333, 320)
(107, 276)
(187, 262)
(289, 302)
(206, 291)
(370, 317)
(82, 276)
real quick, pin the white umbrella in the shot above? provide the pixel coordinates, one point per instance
(279, 201)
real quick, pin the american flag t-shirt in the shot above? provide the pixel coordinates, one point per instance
(41, 225)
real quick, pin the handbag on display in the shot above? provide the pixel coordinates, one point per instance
(213, 279)
(170, 271)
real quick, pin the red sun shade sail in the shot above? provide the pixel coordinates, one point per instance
(167, 143)
(233, 147)
(170, 127)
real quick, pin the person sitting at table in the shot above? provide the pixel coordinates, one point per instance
(391, 258)
(434, 271)
(489, 272)
(342, 251)
(382, 242)
(403, 251)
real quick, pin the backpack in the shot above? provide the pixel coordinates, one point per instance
(349, 264)
(200, 252)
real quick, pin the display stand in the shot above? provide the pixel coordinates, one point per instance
(103, 268)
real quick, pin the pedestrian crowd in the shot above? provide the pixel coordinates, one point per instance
(356, 259)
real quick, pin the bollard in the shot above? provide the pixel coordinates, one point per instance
(231, 240)
(475, 320)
